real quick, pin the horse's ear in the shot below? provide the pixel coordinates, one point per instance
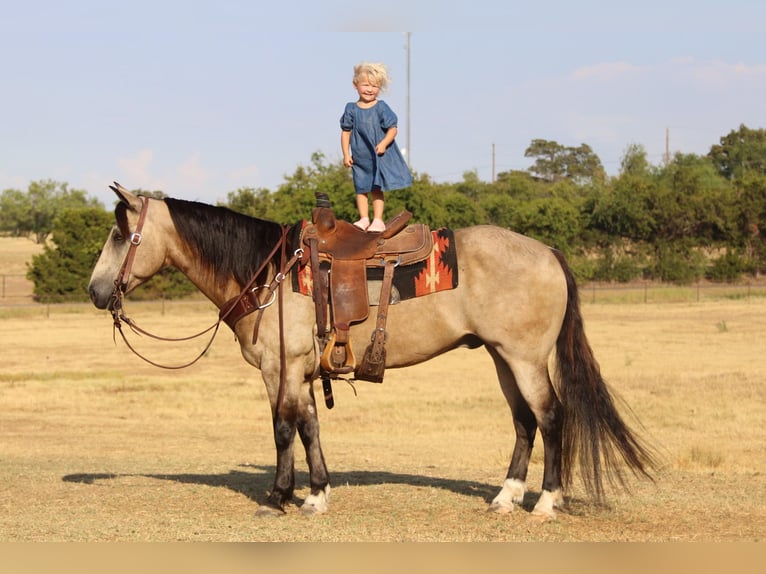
(129, 199)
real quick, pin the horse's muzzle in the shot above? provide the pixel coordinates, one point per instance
(100, 298)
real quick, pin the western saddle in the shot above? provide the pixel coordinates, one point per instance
(340, 254)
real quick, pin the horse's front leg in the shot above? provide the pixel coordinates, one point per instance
(308, 428)
(284, 415)
(284, 479)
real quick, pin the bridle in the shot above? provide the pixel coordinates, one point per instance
(121, 281)
(117, 299)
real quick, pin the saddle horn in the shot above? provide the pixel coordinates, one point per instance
(323, 200)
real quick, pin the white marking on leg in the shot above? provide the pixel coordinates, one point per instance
(549, 501)
(317, 503)
(511, 494)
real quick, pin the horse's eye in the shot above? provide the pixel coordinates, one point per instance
(117, 237)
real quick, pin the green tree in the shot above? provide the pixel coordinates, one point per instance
(554, 221)
(623, 212)
(460, 210)
(471, 186)
(34, 212)
(583, 165)
(620, 221)
(61, 272)
(294, 199)
(554, 162)
(740, 152)
(634, 162)
(425, 200)
(15, 213)
(695, 202)
(250, 201)
(750, 203)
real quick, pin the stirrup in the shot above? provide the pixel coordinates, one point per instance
(338, 359)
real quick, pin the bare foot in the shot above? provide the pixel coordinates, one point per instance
(377, 226)
(363, 223)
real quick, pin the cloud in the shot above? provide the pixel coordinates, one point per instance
(136, 171)
(245, 176)
(612, 104)
(605, 70)
(191, 173)
(721, 75)
(143, 170)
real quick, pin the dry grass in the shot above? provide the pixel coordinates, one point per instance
(95, 445)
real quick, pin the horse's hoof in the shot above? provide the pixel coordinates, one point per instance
(511, 494)
(317, 503)
(544, 515)
(266, 511)
(548, 502)
(311, 510)
(500, 508)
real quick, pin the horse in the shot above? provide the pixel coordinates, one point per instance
(516, 297)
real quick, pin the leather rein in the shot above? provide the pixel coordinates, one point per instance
(249, 291)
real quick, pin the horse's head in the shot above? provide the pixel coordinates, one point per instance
(141, 234)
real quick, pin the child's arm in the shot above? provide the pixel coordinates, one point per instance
(383, 144)
(345, 146)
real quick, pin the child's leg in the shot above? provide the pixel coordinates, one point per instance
(377, 211)
(363, 206)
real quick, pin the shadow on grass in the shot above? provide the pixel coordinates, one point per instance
(255, 483)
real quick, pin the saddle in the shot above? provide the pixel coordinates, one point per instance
(340, 254)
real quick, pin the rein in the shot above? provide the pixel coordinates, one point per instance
(120, 284)
(119, 317)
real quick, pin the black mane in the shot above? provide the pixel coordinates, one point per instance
(227, 242)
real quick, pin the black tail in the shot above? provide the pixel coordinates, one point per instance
(594, 432)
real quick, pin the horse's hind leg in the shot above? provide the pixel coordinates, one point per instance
(535, 386)
(530, 394)
(525, 426)
(308, 429)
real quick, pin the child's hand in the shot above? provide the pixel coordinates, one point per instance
(381, 148)
(348, 161)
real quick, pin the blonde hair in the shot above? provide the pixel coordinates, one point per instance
(376, 73)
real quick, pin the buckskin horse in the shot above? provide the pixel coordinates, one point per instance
(515, 296)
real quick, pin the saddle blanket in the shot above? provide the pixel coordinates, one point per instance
(436, 273)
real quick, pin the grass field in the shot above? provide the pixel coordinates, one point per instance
(96, 445)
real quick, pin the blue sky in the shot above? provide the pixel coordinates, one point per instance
(201, 98)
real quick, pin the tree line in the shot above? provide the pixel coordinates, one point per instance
(693, 217)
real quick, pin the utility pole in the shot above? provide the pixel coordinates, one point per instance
(667, 147)
(409, 147)
(493, 163)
